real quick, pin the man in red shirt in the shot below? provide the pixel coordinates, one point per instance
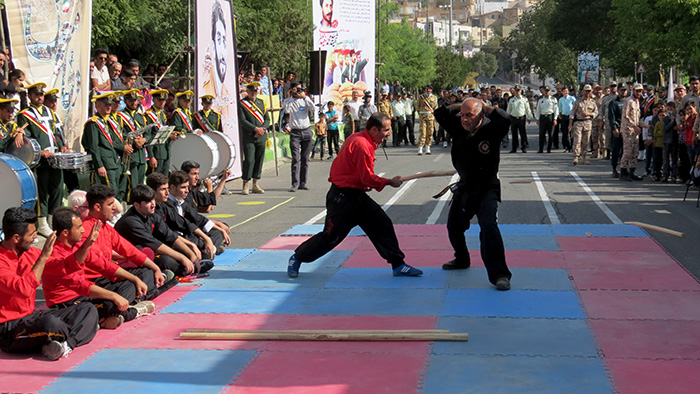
(55, 332)
(64, 280)
(110, 245)
(348, 205)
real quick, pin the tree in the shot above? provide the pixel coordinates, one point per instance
(485, 64)
(407, 56)
(451, 69)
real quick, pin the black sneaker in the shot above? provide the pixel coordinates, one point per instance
(205, 265)
(503, 284)
(455, 265)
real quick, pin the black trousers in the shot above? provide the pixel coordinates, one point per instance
(217, 238)
(517, 126)
(333, 141)
(563, 125)
(409, 130)
(127, 289)
(398, 131)
(105, 308)
(300, 143)
(347, 208)
(168, 263)
(615, 150)
(76, 325)
(483, 204)
(546, 122)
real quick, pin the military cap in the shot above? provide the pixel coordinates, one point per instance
(37, 88)
(207, 98)
(118, 93)
(650, 87)
(546, 87)
(517, 87)
(679, 87)
(255, 85)
(51, 92)
(587, 87)
(613, 83)
(622, 87)
(8, 102)
(131, 94)
(428, 86)
(368, 94)
(186, 95)
(383, 91)
(106, 97)
(663, 89)
(161, 94)
(637, 86)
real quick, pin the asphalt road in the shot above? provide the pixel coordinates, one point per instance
(575, 195)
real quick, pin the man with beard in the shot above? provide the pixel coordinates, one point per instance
(214, 82)
(131, 120)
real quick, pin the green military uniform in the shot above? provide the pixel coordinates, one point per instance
(98, 141)
(41, 127)
(252, 114)
(117, 135)
(132, 120)
(182, 120)
(207, 120)
(6, 130)
(160, 152)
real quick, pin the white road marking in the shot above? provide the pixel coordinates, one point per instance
(438, 157)
(398, 194)
(613, 218)
(322, 214)
(432, 219)
(553, 218)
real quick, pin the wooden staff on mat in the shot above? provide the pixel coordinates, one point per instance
(429, 174)
(325, 335)
(657, 228)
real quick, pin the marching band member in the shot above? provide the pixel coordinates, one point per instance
(130, 120)
(206, 119)
(99, 140)
(159, 155)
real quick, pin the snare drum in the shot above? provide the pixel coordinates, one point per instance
(19, 184)
(67, 160)
(227, 151)
(30, 152)
(196, 147)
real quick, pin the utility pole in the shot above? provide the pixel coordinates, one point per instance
(451, 45)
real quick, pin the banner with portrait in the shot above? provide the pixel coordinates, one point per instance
(588, 67)
(346, 30)
(50, 42)
(216, 67)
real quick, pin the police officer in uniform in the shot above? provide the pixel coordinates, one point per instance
(580, 124)
(254, 120)
(159, 155)
(426, 104)
(546, 114)
(41, 127)
(206, 119)
(130, 120)
(99, 141)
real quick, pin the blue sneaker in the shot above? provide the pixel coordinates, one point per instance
(406, 270)
(293, 267)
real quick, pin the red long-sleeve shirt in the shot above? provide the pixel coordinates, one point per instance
(109, 240)
(354, 166)
(18, 283)
(64, 277)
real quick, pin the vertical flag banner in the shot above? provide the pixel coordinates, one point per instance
(216, 72)
(50, 42)
(346, 30)
(588, 67)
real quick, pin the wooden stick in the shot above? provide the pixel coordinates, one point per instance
(657, 228)
(429, 174)
(317, 336)
(197, 330)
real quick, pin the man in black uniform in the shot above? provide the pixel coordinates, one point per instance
(475, 156)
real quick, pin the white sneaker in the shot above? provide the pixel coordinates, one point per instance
(427, 149)
(420, 150)
(444, 144)
(54, 350)
(44, 229)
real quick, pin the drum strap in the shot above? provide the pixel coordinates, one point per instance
(35, 119)
(102, 129)
(204, 122)
(116, 129)
(254, 110)
(181, 113)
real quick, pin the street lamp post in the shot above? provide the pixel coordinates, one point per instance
(450, 29)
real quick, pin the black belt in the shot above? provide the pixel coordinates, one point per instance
(518, 117)
(547, 116)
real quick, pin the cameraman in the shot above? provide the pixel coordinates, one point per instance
(299, 107)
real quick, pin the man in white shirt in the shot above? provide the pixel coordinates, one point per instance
(299, 107)
(354, 105)
(100, 75)
(546, 114)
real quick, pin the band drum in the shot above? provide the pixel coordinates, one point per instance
(196, 147)
(227, 151)
(29, 152)
(19, 184)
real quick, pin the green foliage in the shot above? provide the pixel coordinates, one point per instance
(451, 69)
(485, 64)
(407, 56)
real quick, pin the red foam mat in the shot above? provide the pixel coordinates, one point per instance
(655, 376)
(648, 339)
(291, 242)
(639, 278)
(531, 258)
(623, 259)
(330, 373)
(420, 230)
(638, 244)
(620, 304)
(416, 258)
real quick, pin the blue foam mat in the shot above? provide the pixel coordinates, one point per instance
(311, 229)
(242, 301)
(523, 279)
(513, 303)
(277, 260)
(507, 375)
(518, 336)
(232, 256)
(155, 371)
(312, 276)
(378, 302)
(369, 278)
(597, 230)
(520, 242)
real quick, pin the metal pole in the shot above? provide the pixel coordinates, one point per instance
(451, 45)
(274, 133)
(189, 41)
(2, 37)
(379, 41)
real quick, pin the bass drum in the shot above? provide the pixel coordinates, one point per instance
(199, 148)
(227, 151)
(19, 184)
(30, 152)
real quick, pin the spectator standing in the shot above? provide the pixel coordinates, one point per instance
(546, 114)
(265, 80)
(398, 120)
(115, 71)
(364, 112)
(630, 131)
(670, 144)
(165, 83)
(566, 105)
(332, 117)
(519, 111)
(409, 112)
(355, 104)
(348, 122)
(135, 67)
(100, 75)
(300, 108)
(321, 130)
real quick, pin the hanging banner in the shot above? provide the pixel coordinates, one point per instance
(216, 67)
(50, 42)
(588, 67)
(346, 30)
